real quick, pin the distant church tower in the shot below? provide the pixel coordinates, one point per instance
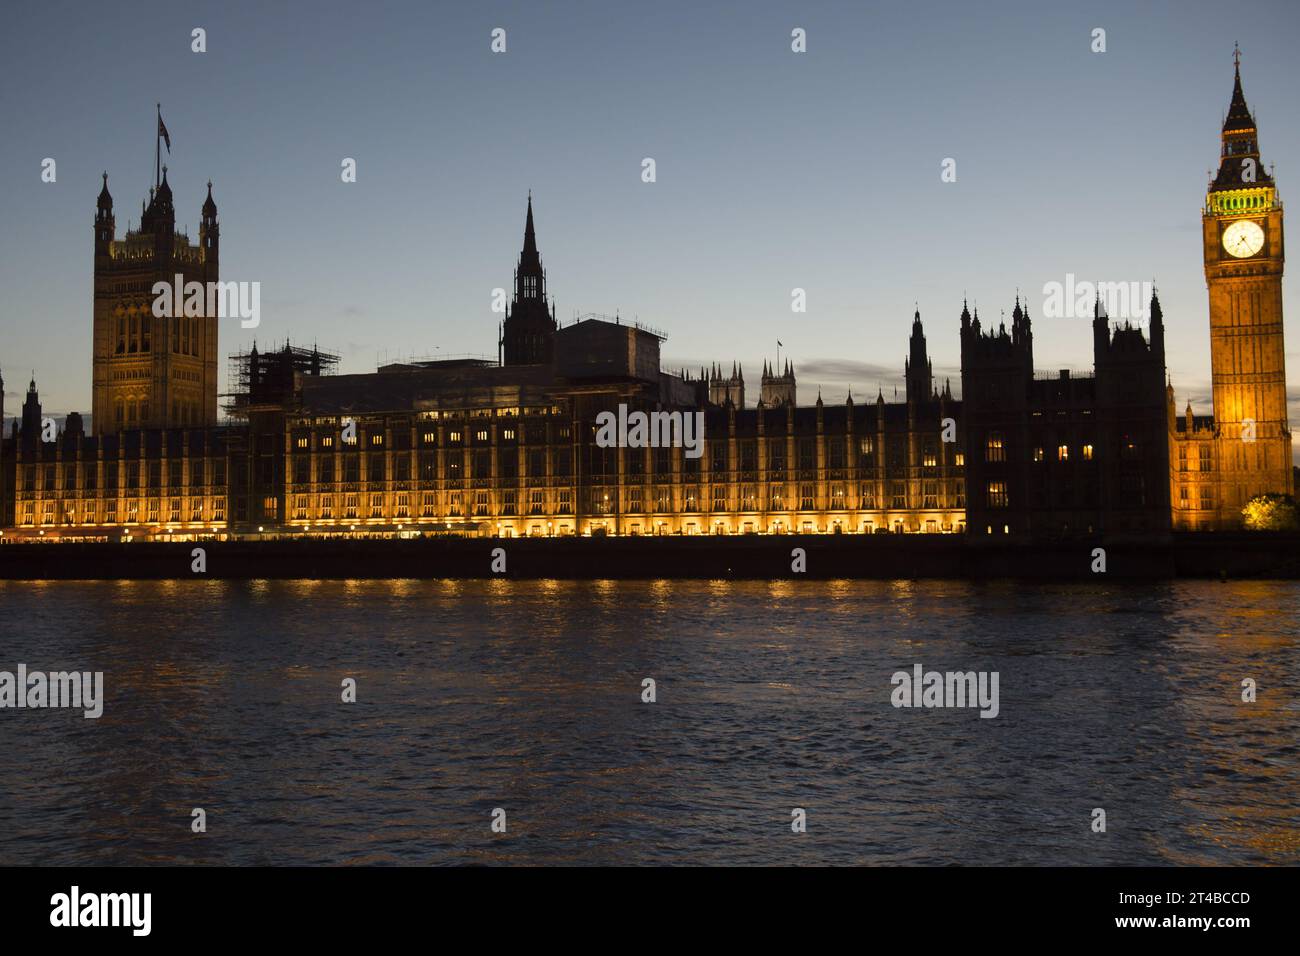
(152, 372)
(727, 388)
(777, 389)
(528, 333)
(1242, 231)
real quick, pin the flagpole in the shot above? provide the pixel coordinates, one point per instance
(157, 157)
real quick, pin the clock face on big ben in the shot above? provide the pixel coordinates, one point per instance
(1243, 238)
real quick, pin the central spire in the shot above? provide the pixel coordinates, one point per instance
(529, 328)
(530, 237)
(530, 277)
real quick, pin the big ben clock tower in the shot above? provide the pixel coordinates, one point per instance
(1243, 248)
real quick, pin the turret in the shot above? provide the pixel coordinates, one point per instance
(1157, 327)
(209, 230)
(105, 225)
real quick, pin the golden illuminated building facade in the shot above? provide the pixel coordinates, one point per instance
(152, 371)
(510, 447)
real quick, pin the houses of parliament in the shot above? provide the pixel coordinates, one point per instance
(508, 447)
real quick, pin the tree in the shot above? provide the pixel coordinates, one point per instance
(1271, 513)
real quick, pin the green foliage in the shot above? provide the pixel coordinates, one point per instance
(1271, 513)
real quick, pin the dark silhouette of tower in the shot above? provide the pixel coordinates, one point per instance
(918, 371)
(31, 427)
(528, 333)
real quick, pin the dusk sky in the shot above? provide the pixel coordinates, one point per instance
(775, 170)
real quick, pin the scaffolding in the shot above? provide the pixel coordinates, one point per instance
(270, 378)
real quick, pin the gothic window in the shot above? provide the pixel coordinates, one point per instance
(867, 495)
(807, 454)
(994, 449)
(866, 450)
(997, 494)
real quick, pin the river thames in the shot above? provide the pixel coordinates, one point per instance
(527, 697)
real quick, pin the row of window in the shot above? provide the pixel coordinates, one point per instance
(196, 509)
(134, 334)
(1206, 461)
(45, 479)
(995, 450)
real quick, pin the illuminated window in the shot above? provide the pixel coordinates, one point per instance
(960, 460)
(1087, 453)
(1062, 452)
(1038, 454)
(997, 494)
(994, 450)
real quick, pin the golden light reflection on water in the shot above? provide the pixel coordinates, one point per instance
(238, 682)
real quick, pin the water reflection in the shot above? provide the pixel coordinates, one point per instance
(528, 695)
